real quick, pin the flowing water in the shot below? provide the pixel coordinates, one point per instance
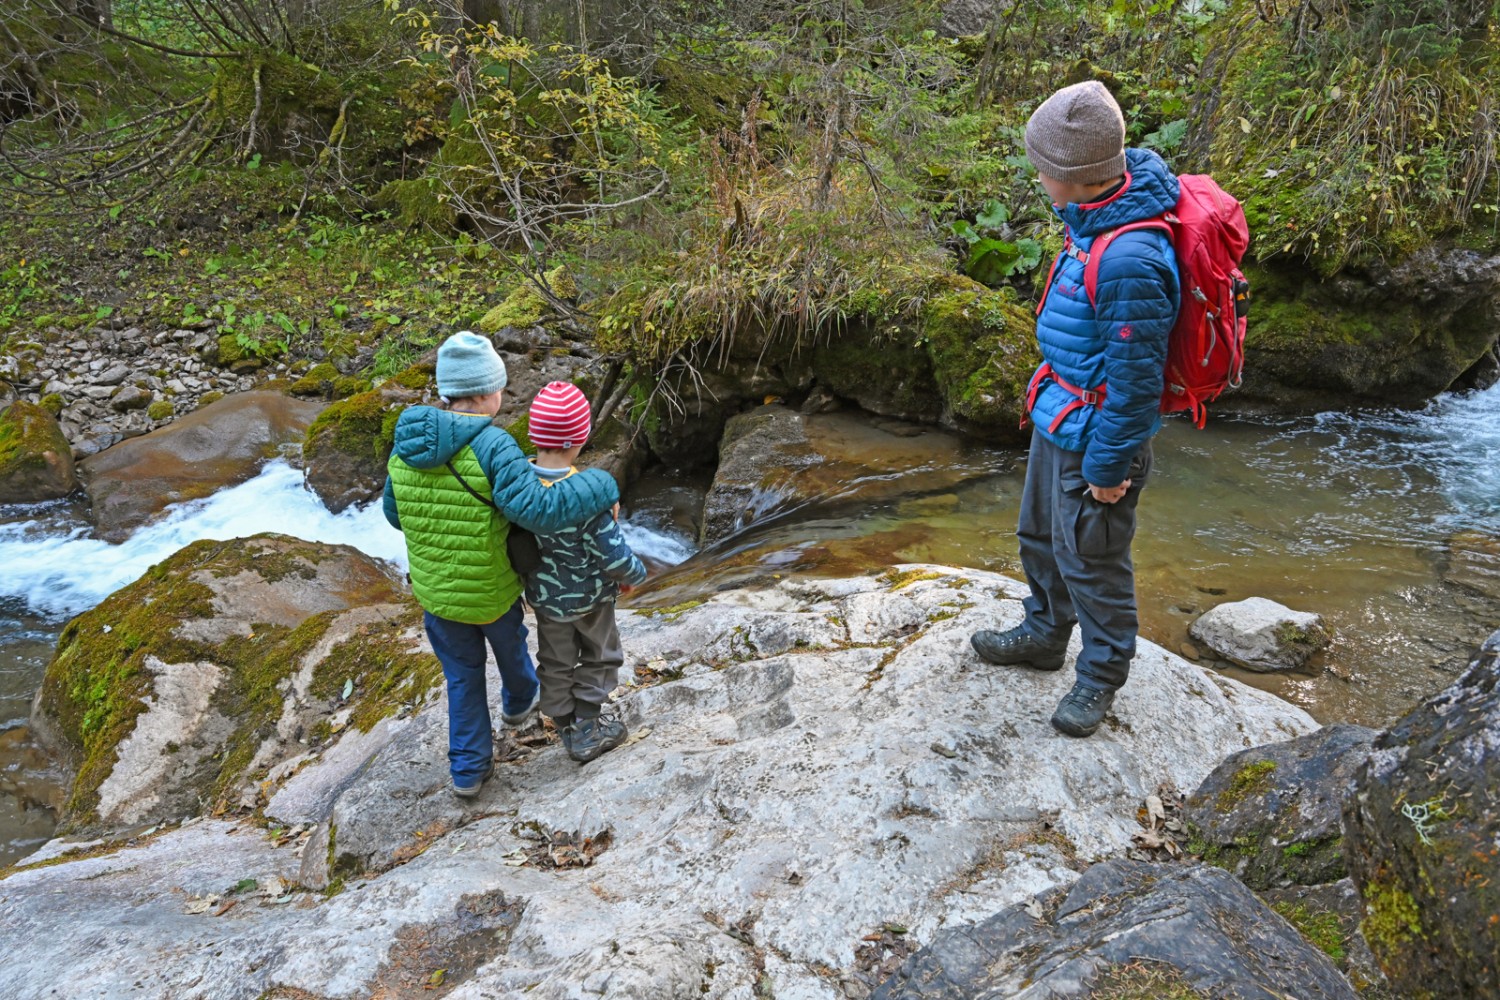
(1348, 515)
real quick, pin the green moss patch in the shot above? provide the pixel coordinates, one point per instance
(1392, 921)
(1252, 779)
(386, 672)
(27, 432)
(1318, 926)
(982, 345)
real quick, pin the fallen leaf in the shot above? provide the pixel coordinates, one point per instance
(436, 979)
(637, 736)
(1155, 810)
(228, 905)
(202, 905)
(1245, 126)
(244, 885)
(1035, 909)
(943, 751)
(348, 689)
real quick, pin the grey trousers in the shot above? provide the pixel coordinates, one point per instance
(1076, 554)
(578, 662)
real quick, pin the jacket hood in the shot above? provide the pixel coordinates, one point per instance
(427, 437)
(1150, 189)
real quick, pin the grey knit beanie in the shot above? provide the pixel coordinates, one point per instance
(1078, 135)
(467, 365)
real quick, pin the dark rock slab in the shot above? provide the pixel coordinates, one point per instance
(1271, 814)
(1422, 840)
(1196, 923)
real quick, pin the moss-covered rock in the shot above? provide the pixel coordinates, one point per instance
(36, 461)
(316, 381)
(161, 696)
(160, 410)
(347, 447)
(1271, 814)
(887, 373)
(526, 305)
(1422, 840)
(982, 345)
(1377, 334)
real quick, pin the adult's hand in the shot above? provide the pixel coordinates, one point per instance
(1109, 494)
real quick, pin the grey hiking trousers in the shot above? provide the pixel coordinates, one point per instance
(578, 662)
(1076, 554)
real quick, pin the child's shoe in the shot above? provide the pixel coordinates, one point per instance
(519, 719)
(586, 739)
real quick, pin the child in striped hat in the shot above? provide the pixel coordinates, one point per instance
(573, 590)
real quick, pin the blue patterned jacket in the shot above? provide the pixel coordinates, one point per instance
(1121, 345)
(581, 566)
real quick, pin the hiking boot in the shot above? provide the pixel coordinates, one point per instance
(469, 791)
(586, 739)
(1082, 710)
(1017, 647)
(519, 719)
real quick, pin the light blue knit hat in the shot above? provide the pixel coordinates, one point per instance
(467, 365)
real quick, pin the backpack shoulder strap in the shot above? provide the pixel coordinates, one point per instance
(1102, 242)
(472, 491)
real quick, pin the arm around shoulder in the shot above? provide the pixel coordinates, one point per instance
(521, 497)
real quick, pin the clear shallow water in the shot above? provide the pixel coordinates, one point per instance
(1348, 515)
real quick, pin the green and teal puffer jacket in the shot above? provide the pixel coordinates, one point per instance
(455, 543)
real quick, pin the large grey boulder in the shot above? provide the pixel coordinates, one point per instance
(1158, 929)
(1271, 814)
(1422, 840)
(793, 787)
(219, 445)
(1262, 635)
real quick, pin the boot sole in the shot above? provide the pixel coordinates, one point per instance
(1077, 732)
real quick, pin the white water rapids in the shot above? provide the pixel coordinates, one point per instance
(55, 569)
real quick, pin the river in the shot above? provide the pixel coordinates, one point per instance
(1348, 515)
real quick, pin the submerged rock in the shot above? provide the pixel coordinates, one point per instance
(1271, 814)
(36, 462)
(1474, 562)
(216, 446)
(220, 663)
(1126, 929)
(774, 458)
(812, 763)
(1262, 635)
(1422, 840)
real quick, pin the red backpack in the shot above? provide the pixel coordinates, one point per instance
(1206, 348)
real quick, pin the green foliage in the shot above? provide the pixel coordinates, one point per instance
(161, 409)
(1358, 140)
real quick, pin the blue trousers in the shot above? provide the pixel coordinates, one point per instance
(1076, 554)
(460, 648)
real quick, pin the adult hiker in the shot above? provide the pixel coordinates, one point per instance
(455, 483)
(1095, 401)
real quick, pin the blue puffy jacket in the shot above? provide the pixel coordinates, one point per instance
(1120, 345)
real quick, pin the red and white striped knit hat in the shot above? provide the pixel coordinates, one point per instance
(559, 417)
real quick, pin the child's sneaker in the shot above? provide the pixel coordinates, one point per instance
(469, 791)
(519, 719)
(586, 739)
